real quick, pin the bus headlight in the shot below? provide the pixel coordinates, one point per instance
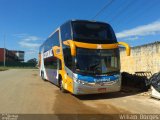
(81, 82)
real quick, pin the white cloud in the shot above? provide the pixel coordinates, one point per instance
(32, 38)
(144, 30)
(31, 42)
(20, 35)
(29, 45)
(132, 38)
(31, 51)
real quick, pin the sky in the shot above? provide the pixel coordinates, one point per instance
(26, 24)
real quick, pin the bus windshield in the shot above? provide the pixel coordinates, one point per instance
(93, 32)
(97, 62)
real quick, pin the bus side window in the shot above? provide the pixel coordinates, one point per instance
(66, 35)
(54, 39)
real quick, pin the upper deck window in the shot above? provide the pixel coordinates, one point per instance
(52, 41)
(93, 32)
(66, 31)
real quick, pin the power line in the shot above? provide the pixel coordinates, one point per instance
(102, 9)
(122, 10)
(131, 11)
(140, 13)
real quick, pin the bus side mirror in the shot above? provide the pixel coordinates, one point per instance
(128, 49)
(57, 52)
(71, 44)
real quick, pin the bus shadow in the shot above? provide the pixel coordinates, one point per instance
(107, 95)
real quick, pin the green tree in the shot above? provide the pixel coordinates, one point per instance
(33, 61)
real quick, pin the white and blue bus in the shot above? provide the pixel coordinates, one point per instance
(82, 57)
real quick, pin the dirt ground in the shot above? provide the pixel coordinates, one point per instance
(22, 91)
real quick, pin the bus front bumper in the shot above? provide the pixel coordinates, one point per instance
(80, 89)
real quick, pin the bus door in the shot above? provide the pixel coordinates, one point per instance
(52, 72)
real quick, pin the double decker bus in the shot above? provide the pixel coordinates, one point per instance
(82, 57)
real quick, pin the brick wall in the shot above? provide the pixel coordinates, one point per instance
(143, 58)
(10, 56)
(1, 54)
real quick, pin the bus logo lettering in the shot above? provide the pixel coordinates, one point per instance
(48, 54)
(99, 46)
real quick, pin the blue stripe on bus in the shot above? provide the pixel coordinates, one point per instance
(97, 78)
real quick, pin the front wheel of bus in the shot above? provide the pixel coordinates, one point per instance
(61, 87)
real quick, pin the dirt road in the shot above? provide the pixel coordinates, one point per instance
(23, 91)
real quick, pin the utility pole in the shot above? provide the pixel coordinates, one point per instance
(4, 50)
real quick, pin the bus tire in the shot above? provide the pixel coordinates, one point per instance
(61, 86)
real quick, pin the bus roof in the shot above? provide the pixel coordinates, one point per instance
(78, 20)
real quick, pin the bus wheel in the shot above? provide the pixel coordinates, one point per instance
(42, 75)
(61, 87)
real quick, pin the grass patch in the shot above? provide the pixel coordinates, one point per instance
(3, 69)
(7, 68)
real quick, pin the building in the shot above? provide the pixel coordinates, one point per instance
(19, 54)
(11, 55)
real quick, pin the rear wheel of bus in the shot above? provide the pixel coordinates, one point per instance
(42, 75)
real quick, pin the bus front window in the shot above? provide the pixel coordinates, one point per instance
(93, 32)
(97, 62)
